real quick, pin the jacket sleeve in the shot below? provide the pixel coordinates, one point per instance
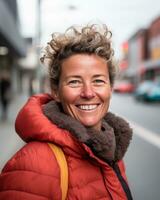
(32, 174)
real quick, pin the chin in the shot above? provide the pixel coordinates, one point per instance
(90, 124)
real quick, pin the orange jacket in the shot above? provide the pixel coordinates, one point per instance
(33, 173)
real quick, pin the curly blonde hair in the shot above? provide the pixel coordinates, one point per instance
(91, 39)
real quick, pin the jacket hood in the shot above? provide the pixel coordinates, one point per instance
(41, 119)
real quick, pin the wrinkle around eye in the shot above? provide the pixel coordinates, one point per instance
(74, 83)
(99, 82)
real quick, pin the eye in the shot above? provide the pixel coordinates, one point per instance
(74, 83)
(99, 82)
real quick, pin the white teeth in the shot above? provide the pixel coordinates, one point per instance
(87, 107)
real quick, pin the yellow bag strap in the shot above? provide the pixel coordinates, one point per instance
(60, 157)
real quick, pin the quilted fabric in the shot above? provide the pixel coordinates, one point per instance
(33, 173)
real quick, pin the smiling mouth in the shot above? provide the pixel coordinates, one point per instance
(88, 107)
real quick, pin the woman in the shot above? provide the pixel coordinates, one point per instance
(75, 117)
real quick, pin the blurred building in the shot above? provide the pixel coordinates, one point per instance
(141, 54)
(152, 65)
(137, 53)
(123, 63)
(29, 66)
(12, 44)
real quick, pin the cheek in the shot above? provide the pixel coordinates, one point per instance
(68, 95)
(105, 94)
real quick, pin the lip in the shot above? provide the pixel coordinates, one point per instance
(90, 105)
(87, 104)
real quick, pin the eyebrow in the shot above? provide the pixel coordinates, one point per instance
(98, 75)
(77, 76)
(74, 76)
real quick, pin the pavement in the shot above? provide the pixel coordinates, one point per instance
(10, 142)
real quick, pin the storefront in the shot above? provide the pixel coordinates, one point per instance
(12, 45)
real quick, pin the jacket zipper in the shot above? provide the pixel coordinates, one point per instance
(122, 181)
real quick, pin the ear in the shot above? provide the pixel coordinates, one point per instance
(55, 95)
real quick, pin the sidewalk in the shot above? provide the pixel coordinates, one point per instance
(9, 140)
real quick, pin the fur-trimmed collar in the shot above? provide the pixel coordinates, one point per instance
(110, 144)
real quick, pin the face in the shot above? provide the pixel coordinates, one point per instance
(84, 89)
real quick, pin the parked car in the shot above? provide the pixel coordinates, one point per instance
(148, 91)
(123, 87)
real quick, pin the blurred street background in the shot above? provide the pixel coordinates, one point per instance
(26, 26)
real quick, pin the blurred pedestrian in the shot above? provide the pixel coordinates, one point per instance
(74, 117)
(31, 86)
(5, 94)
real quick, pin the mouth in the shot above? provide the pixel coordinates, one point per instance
(87, 107)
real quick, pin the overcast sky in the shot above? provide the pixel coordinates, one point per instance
(123, 17)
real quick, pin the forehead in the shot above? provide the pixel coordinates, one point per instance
(84, 64)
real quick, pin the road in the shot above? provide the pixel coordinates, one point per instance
(143, 156)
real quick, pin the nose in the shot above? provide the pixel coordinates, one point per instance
(87, 91)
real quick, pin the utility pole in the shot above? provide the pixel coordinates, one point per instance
(38, 43)
(39, 22)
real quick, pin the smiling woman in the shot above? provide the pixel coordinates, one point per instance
(75, 117)
(84, 96)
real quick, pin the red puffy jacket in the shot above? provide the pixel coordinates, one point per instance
(33, 173)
